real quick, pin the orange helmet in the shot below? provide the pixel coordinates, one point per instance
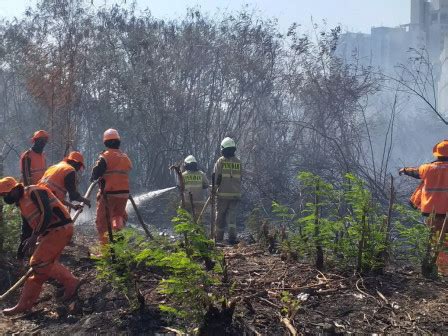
(111, 134)
(7, 184)
(40, 134)
(441, 149)
(75, 156)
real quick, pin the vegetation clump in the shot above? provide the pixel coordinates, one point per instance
(343, 225)
(183, 268)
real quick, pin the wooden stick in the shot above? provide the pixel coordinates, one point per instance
(213, 208)
(439, 240)
(287, 323)
(108, 219)
(203, 210)
(175, 331)
(22, 280)
(193, 213)
(17, 284)
(140, 218)
(109, 227)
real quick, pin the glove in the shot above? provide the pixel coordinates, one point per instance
(77, 207)
(87, 202)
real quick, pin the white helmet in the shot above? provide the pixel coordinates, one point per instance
(190, 159)
(227, 143)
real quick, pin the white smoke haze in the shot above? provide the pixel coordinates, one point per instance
(321, 102)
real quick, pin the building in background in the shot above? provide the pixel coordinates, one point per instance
(385, 47)
(443, 80)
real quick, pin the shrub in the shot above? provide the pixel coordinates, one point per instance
(186, 282)
(10, 229)
(345, 226)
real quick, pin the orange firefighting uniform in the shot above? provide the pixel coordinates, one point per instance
(113, 169)
(32, 166)
(49, 219)
(60, 179)
(431, 197)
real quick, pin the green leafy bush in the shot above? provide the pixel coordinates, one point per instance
(411, 243)
(345, 226)
(186, 281)
(10, 228)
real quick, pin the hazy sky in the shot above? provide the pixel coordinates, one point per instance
(354, 15)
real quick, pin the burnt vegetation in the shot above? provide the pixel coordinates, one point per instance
(330, 244)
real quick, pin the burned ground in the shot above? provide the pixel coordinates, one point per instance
(330, 302)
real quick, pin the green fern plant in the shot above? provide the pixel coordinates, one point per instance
(186, 282)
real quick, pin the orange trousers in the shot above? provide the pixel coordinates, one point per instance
(118, 215)
(45, 262)
(436, 225)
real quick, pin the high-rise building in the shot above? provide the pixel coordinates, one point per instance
(387, 46)
(384, 47)
(443, 81)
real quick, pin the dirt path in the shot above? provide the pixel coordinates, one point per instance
(329, 303)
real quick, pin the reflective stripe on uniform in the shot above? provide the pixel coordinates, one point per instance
(192, 178)
(118, 195)
(116, 172)
(231, 165)
(53, 185)
(35, 214)
(194, 186)
(231, 175)
(436, 190)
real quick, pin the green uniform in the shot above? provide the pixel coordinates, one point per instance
(195, 182)
(228, 180)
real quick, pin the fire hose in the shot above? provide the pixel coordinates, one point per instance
(31, 269)
(87, 195)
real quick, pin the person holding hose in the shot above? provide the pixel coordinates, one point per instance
(112, 170)
(195, 181)
(227, 172)
(61, 179)
(49, 222)
(32, 162)
(431, 197)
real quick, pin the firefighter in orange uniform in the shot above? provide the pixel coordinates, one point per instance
(51, 224)
(431, 197)
(32, 162)
(112, 170)
(61, 178)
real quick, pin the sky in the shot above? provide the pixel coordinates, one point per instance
(353, 15)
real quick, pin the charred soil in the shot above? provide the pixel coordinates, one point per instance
(329, 302)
